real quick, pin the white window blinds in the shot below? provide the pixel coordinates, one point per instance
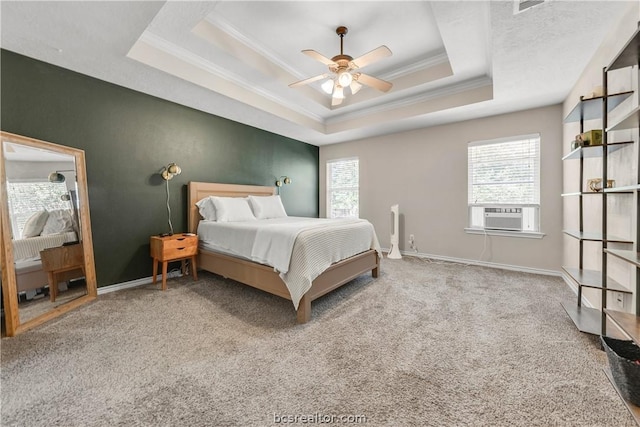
(29, 197)
(343, 188)
(505, 171)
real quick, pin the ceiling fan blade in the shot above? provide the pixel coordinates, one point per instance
(318, 57)
(374, 82)
(373, 56)
(309, 80)
(336, 101)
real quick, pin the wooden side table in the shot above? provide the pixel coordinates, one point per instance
(173, 248)
(62, 263)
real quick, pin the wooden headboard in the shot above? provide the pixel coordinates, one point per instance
(200, 190)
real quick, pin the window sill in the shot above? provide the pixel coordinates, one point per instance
(505, 233)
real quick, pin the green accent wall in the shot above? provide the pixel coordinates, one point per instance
(128, 137)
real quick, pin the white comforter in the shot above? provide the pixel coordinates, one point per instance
(299, 249)
(29, 249)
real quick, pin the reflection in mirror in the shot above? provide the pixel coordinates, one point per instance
(41, 191)
(45, 251)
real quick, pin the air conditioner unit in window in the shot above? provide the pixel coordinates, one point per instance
(503, 218)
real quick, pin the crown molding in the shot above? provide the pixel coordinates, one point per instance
(413, 100)
(226, 26)
(416, 66)
(196, 60)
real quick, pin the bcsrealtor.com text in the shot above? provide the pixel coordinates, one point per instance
(318, 418)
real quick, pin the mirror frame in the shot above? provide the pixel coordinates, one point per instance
(9, 285)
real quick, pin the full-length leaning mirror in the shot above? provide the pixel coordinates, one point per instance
(47, 251)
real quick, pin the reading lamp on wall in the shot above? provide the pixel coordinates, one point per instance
(167, 173)
(70, 196)
(56, 176)
(282, 180)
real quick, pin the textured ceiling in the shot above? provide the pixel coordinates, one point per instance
(452, 60)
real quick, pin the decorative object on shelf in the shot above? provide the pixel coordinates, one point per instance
(595, 184)
(575, 144)
(623, 361)
(167, 173)
(597, 91)
(592, 137)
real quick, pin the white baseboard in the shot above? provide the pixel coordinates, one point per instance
(133, 283)
(147, 280)
(481, 263)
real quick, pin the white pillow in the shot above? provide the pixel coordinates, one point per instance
(232, 209)
(59, 221)
(267, 207)
(207, 209)
(34, 225)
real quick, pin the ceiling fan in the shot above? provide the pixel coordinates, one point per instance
(344, 71)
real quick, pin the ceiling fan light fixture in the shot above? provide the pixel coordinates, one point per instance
(344, 71)
(328, 86)
(345, 78)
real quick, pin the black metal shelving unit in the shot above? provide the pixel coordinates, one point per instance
(628, 323)
(588, 319)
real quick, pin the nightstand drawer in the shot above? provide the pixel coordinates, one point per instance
(178, 241)
(182, 252)
(175, 246)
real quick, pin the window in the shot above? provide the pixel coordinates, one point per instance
(342, 188)
(505, 173)
(28, 197)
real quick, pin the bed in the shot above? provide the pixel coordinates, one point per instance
(29, 272)
(262, 276)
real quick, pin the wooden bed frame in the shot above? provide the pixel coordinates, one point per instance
(261, 276)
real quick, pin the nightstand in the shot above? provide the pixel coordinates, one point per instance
(62, 263)
(173, 248)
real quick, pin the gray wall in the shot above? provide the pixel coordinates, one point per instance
(425, 172)
(128, 137)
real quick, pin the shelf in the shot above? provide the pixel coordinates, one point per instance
(593, 279)
(595, 236)
(630, 121)
(590, 151)
(592, 107)
(628, 56)
(579, 193)
(630, 256)
(588, 320)
(623, 189)
(633, 409)
(629, 323)
(629, 189)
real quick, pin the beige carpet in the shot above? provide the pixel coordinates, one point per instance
(426, 344)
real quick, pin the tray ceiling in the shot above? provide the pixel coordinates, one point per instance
(451, 60)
